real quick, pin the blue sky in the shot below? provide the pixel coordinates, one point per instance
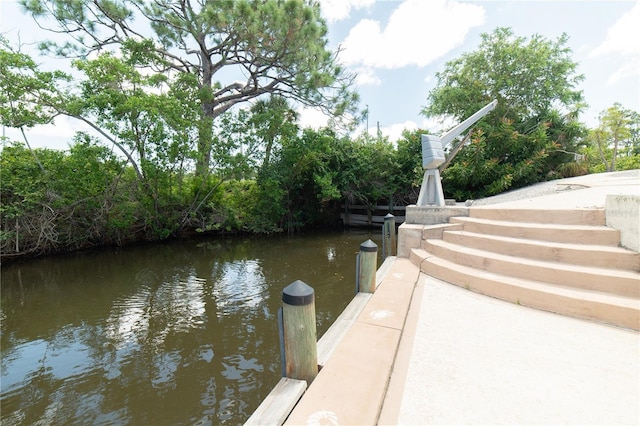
(396, 47)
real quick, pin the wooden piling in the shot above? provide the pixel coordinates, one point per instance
(299, 326)
(389, 236)
(368, 259)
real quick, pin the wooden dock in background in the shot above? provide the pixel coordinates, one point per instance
(362, 215)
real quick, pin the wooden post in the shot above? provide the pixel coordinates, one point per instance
(299, 325)
(347, 213)
(389, 236)
(368, 260)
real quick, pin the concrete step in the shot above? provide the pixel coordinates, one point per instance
(577, 302)
(573, 234)
(577, 254)
(593, 217)
(619, 282)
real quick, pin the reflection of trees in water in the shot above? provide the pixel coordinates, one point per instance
(176, 333)
(148, 316)
(238, 285)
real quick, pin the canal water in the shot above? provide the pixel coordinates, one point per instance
(181, 333)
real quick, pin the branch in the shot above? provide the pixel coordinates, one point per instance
(600, 150)
(32, 151)
(115, 142)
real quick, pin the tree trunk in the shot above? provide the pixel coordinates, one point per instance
(615, 154)
(205, 144)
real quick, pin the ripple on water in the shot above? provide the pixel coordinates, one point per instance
(188, 339)
(238, 285)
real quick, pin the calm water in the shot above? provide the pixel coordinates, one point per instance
(179, 333)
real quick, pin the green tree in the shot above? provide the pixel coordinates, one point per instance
(616, 136)
(632, 147)
(153, 128)
(408, 176)
(271, 46)
(298, 186)
(27, 95)
(67, 204)
(366, 171)
(274, 121)
(533, 129)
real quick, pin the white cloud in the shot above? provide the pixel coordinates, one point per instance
(366, 77)
(623, 40)
(57, 135)
(337, 10)
(312, 117)
(394, 131)
(417, 33)
(431, 125)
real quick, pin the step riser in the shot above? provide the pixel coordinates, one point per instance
(528, 249)
(624, 286)
(598, 236)
(599, 311)
(594, 217)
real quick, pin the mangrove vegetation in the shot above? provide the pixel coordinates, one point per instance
(193, 113)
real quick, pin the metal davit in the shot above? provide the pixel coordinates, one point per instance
(433, 156)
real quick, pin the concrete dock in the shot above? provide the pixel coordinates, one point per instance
(465, 358)
(422, 351)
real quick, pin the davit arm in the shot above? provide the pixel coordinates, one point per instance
(433, 155)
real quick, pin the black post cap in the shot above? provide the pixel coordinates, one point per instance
(368, 246)
(297, 294)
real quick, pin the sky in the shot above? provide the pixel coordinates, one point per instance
(396, 48)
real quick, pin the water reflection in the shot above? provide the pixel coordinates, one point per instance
(180, 333)
(238, 285)
(150, 314)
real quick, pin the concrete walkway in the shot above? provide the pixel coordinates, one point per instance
(466, 358)
(588, 191)
(421, 351)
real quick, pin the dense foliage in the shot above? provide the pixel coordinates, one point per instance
(615, 143)
(195, 50)
(170, 156)
(163, 83)
(88, 196)
(533, 129)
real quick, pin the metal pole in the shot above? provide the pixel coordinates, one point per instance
(455, 132)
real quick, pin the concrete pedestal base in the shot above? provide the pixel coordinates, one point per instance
(431, 215)
(622, 212)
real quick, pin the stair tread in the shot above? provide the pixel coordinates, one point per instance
(592, 216)
(572, 246)
(538, 263)
(532, 209)
(532, 225)
(575, 293)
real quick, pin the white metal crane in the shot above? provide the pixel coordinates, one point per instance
(433, 155)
